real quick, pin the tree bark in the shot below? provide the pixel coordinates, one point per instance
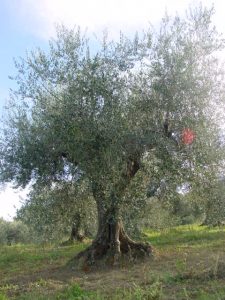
(76, 232)
(112, 241)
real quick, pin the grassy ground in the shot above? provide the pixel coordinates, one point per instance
(188, 263)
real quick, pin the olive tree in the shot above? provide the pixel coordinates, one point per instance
(115, 110)
(56, 212)
(13, 232)
(213, 204)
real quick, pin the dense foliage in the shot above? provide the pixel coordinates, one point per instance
(53, 212)
(14, 232)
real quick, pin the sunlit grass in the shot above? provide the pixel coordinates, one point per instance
(21, 259)
(189, 263)
(194, 235)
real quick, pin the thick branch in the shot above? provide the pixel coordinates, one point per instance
(167, 131)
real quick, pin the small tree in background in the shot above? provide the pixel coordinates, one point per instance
(13, 232)
(214, 204)
(67, 209)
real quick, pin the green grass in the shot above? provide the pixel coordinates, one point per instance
(195, 236)
(75, 292)
(3, 297)
(188, 263)
(33, 257)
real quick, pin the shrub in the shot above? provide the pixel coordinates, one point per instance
(13, 232)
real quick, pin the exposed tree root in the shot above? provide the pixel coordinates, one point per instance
(112, 243)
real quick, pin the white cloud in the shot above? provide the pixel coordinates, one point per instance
(40, 16)
(10, 200)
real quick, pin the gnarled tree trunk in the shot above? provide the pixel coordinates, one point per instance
(112, 241)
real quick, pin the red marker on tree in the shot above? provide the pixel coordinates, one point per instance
(187, 136)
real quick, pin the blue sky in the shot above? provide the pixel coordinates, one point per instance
(26, 24)
(15, 40)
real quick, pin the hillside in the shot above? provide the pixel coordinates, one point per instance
(188, 263)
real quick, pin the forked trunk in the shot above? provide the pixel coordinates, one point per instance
(112, 241)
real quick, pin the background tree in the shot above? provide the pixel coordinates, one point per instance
(214, 203)
(109, 112)
(13, 232)
(56, 212)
